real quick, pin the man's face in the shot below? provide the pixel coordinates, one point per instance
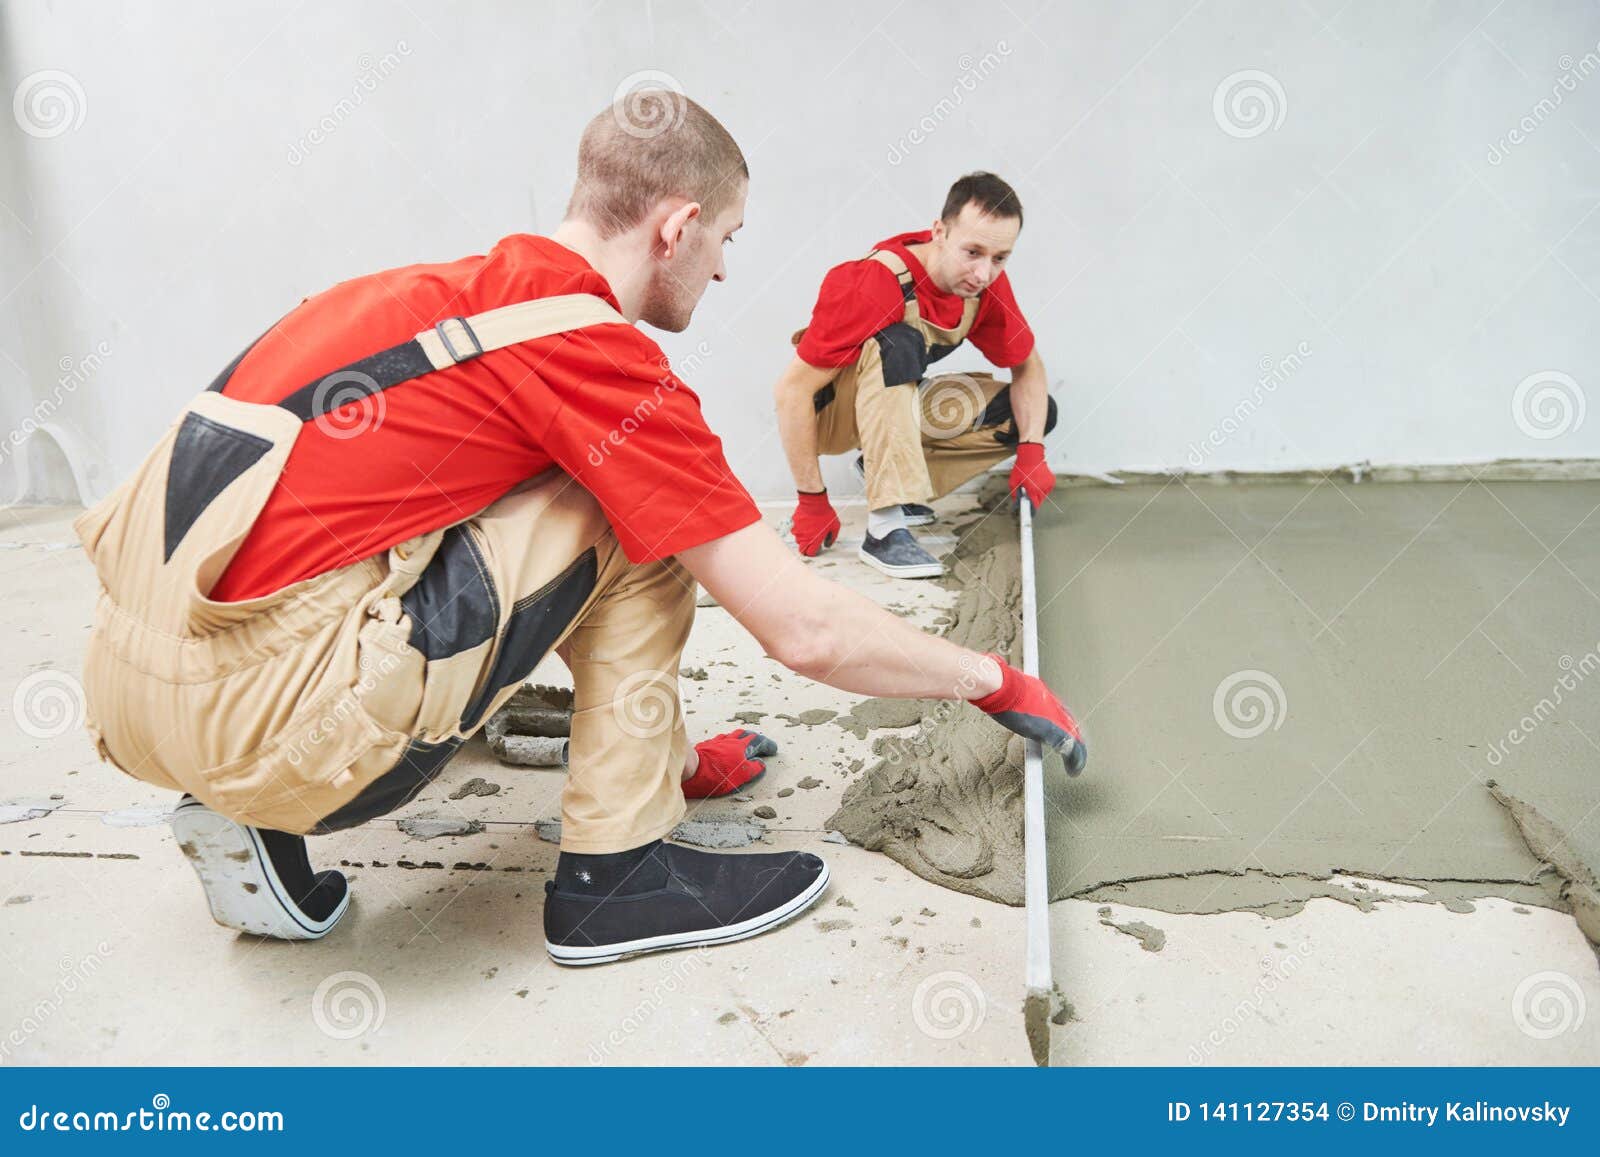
(971, 251)
(679, 282)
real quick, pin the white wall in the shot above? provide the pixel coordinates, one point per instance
(1413, 270)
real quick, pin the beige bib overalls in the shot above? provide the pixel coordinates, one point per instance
(921, 437)
(339, 697)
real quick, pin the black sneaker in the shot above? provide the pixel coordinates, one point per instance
(899, 555)
(676, 897)
(256, 880)
(914, 513)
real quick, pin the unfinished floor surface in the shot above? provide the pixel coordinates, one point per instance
(107, 954)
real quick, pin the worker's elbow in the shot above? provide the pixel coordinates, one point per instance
(809, 652)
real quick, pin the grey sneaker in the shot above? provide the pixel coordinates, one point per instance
(899, 555)
(914, 513)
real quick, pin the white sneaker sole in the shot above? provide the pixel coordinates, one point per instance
(606, 953)
(917, 570)
(240, 885)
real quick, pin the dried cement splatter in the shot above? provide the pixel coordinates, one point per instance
(702, 833)
(136, 817)
(810, 718)
(1150, 938)
(875, 714)
(431, 827)
(748, 718)
(475, 786)
(28, 809)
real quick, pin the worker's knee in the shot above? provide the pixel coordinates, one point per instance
(999, 413)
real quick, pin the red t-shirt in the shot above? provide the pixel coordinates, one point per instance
(601, 403)
(858, 298)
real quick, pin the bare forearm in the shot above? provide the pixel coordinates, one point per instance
(797, 427)
(870, 651)
(820, 630)
(1030, 389)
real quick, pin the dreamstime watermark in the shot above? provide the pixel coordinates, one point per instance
(1248, 703)
(1273, 375)
(649, 103)
(951, 405)
(49, 103)
(1278, 973)
(899, 749)
(74, 974)
(160, 1117)
(973, 73)
(348, 1004)
(328, 724)
(1574, 672)
(949, 1004)
(648, 1005)
(74, 372)
(1548, 404)
(373, 72)
(668, 383)
(1547, 1005)
(645, 704)
(347, 404)
(1572, 71)
(48, 703)
(1249, 103)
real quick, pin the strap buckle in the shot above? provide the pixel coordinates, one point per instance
(449, 346)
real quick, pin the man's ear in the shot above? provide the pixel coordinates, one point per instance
(673, 225)
(937, 233)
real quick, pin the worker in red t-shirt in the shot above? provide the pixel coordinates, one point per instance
(357, 544)
(859, 380)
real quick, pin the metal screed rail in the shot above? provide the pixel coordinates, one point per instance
(1035, 889)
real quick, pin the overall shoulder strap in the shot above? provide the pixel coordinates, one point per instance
(896, 265)
(451, 342)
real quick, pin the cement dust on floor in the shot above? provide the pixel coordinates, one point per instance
(109, 955)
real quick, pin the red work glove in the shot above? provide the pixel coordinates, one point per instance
(1025, 705)
(815, 523)
(1031, 474)
(728, 762)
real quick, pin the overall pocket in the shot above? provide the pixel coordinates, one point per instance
(311, 754)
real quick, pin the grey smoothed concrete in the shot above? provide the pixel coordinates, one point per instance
(1410, 626)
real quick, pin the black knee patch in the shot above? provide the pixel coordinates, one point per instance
(998, 413)
(823, 398)
(453, 605)
(904, 354)
(536, 622)
(395, 788)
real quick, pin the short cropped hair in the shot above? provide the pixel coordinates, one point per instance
(653, 143)
(992, 196)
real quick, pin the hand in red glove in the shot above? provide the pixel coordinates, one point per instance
(1031, 474)
(815, 523)
(1025, 705)
(728, 762)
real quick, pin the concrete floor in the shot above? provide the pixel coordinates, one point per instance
(109, 956)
